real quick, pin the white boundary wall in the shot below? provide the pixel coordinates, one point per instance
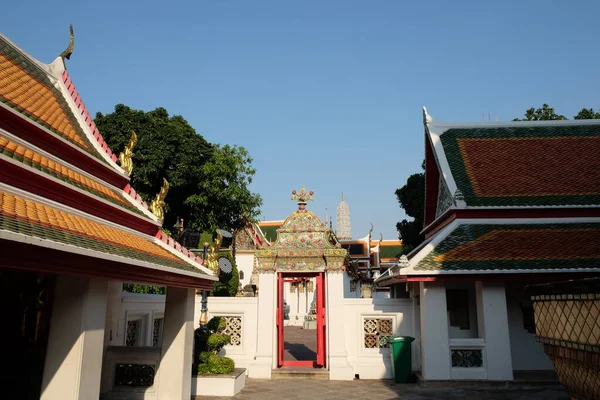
(375, 363)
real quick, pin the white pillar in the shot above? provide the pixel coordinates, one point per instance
(265, 359)
(76, 340)
(337, 360)
(113, 314)
(435, 345)
(175, 369)
(492, 321)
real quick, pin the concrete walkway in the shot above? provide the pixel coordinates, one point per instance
(299, 344)
(277, 389)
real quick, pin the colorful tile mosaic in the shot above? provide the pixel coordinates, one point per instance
(525, 166)
(33, 219)
(516, 247)
(27, 88)
(64, 173)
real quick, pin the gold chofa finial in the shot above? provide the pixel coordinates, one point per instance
(212, 258)
(69, 50)
(125, 158)
(158, 204)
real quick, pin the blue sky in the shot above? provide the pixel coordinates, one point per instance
(325, 94)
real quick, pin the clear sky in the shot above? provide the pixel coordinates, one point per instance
(325, 93)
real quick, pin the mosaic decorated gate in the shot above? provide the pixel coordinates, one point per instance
(305, 247)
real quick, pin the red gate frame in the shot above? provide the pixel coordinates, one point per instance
(321, 320)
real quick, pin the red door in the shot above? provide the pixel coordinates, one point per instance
(321, 336)
(279, 319)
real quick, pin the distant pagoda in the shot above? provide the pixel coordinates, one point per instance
(342, 222)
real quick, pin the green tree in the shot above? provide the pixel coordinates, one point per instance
(411, 197)
(546, 113)
(208, 183)
(226, 178)
(148, 289)
(587, 113)
(228, 283)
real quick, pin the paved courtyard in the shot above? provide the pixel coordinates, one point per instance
(314, 389)
(299, 344)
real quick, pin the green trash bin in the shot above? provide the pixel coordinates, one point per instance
(401, 358)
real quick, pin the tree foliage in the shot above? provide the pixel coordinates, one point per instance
(411, 197)
(587, 113)
(208, 183)
(546, 113)
(146, 289)
(228, 283)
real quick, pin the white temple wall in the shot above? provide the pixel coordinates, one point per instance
(245, 264)
(361, 317)
(241, 314)
(527, 353)
(298, 303)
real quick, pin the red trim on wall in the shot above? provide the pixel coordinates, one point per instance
(29, 181)
(570, 212)
(557, 276)
(34, 258)
(22, 128)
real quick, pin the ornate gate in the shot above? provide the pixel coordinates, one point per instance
(305, 247)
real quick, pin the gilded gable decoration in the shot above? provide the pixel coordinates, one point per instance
(158, 204)
(69, 50)
(126, 156)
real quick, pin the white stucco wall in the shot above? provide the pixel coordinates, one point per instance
(374, 363)
(298, 303)
(245, 263)
(244, 307)
(527, 353)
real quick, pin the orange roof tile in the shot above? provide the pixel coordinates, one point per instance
(61, 226)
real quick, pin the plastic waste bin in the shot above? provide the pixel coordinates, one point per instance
(401, 358)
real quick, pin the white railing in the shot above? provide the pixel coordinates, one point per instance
(467, 358)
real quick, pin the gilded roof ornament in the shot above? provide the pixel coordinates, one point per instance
(125, 157)
(212, 257)
(302, 197)
(69, 50)
(158, 204)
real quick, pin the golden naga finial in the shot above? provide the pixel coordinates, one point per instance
(158, 204)
(125, 158)
(69, 50)
(212, 257)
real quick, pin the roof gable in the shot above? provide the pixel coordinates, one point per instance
(519, 164)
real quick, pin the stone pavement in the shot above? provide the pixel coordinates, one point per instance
(299, 344)
(281, 389)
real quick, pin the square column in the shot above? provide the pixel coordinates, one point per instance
(337, 360)
(266, 347)
(76, 339)
(435, 345)
(175, 369)
(492, 321)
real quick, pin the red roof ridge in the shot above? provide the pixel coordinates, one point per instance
(176, 248)
(89, 121)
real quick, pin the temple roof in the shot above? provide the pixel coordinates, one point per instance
(60, 186)
(51, 225)
(467, 247)
(269, 229)
(515, 164)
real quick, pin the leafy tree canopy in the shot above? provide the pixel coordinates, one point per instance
(411, 197)
(547, 113)
(208, 183)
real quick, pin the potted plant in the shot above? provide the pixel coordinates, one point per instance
(215, 375)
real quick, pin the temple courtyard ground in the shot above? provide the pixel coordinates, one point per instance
(316, 389)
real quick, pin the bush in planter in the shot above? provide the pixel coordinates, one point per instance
(209, 342)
